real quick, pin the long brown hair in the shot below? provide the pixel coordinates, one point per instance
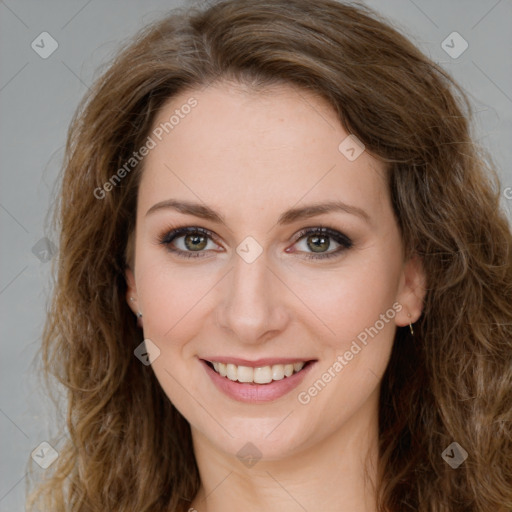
(128, 448)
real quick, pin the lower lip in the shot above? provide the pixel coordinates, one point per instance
(256, 393)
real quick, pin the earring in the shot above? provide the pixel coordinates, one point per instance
(410, 325)
(139, 314)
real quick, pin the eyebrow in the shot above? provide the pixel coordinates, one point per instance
(289, 216)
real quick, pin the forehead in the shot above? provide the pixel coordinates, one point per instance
(246, 151)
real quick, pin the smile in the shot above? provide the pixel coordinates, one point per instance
(258, 375)
(263, 381)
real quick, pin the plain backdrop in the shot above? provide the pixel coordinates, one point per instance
(37, 99)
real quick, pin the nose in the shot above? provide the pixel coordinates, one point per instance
(252, 307)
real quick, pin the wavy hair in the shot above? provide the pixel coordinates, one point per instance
(128, 448)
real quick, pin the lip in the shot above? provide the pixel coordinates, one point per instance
(256, 393)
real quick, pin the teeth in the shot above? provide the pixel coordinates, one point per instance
(232, 371)
(261, 375)
(245, 374)
(278, 372)
(298, 367)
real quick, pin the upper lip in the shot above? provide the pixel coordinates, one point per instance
(265, 361)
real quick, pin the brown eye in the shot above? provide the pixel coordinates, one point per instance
(188, 242)
(318, 243)
(195, 242)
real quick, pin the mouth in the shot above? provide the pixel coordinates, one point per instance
(260, 381)
(257, 375)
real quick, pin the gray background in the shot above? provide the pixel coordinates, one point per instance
(37, 99)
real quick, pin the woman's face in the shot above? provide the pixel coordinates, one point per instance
(258, 287)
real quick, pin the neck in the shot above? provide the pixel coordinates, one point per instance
(336, 473)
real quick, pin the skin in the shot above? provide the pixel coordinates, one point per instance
(250, 155)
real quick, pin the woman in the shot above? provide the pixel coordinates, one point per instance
(284, 279)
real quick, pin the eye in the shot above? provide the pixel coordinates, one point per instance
(188, 242)
(320, 239)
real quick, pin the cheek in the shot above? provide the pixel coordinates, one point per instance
(172, 300)
(353, 360)
(177, 301)
(350, 298)
(174, 317)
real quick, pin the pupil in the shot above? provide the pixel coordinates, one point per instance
(319, 243)
(195, 242)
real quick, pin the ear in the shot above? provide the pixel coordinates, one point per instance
(131, 290)
(411, 291)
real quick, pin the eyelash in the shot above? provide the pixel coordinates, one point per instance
(345, 242)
